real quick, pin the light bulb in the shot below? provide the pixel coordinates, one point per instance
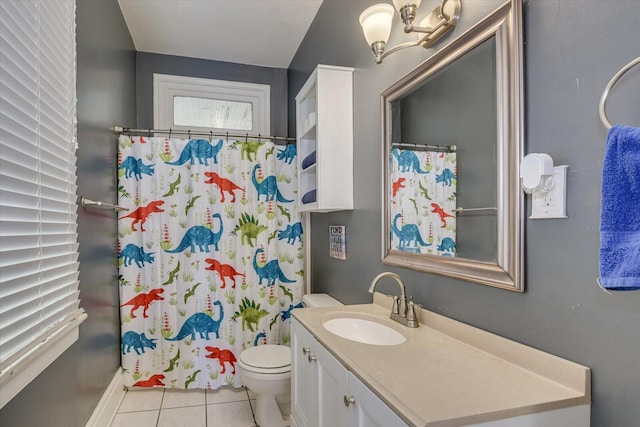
(376, 22)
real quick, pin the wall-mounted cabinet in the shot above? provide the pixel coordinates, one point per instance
(324, 119)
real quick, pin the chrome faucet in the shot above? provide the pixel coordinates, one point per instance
(403, 311)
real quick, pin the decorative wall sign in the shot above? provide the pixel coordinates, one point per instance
(337, 242)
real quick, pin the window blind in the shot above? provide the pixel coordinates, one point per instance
(39, 297)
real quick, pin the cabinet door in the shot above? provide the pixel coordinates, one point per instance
(304, 380)
(332, 389)
(367, 409)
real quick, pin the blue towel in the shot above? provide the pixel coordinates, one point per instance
(309, 197)
(309, 160)
(620, 213)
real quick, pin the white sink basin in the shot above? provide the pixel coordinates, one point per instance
(364, 331)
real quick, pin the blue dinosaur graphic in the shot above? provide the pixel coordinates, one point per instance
(259, 336)
(447, 245)
(407, 161)
(202, 324)
(288, 154)
(409, 235)
(200, 236)
(135, 167)
(286, 314)
(268, 186)
(446, 177)
(136, 341)
(198, 149)
(132, 253)
(291, 233)
(270, 271)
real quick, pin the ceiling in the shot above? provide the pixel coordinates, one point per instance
(255, 32)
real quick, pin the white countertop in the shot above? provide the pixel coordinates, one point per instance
(448, 373)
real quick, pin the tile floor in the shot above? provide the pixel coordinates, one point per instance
(225, 407)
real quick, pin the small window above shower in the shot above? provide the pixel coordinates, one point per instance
(197, 104)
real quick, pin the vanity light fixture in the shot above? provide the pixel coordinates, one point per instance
(376, 24)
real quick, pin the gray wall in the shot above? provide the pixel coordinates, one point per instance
(149, 63)
(568, 61)
(66, 393)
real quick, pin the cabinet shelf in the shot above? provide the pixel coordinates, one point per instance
(324, 123)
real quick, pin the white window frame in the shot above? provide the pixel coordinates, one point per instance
(39, 301)
(166, 86)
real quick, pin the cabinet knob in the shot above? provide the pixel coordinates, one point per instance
(311, 357)
(349, 400)
(306, 350)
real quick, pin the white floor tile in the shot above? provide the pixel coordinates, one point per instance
(192, 416)
(141, 400)
(136, 419)
(174, 398)
(226, 394)
(234, 414)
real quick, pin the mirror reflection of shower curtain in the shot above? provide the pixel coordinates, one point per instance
(210, 256)
(423, 202)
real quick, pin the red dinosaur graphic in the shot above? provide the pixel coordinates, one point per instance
(396, 186)
(154, 380)
(224, 270)
(222, 356)
(223, 184)
(142, 214)
(144, 300)
(438, 210)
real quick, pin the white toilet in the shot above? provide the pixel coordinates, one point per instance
(266, 370)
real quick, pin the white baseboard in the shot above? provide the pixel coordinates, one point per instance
(106, 409)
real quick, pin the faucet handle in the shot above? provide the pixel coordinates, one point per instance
(395, 309)
(412, 320)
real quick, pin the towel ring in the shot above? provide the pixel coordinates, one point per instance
(605, 93)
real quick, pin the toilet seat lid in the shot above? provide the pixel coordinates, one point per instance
(267, 356)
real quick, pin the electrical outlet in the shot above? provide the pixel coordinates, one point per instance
(552, 204)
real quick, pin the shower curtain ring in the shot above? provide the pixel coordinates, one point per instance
(210, 136)
(189, 134)
(170, 133)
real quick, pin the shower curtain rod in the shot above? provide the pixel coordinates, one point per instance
(425, 147)
(275, 139)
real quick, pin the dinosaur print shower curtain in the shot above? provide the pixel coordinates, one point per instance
(210, 256)
(423, 202)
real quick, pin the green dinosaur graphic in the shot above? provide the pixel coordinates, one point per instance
(269, 152)
(173, 362)
(272, 236)
(249, 229)
(286, 291)
(191, 379)
(173, 187)
(273, 321)
(191, 204)
(191, 292)
(423, 190)
(172, 275)
(285, 212)
(250, 313)
(247, 148)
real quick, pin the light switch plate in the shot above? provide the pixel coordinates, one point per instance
(553, 203)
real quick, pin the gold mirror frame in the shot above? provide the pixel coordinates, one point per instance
(505, 23)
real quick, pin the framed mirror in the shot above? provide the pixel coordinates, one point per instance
(452, 142)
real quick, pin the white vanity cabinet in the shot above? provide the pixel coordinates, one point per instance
(324, 120)
(325, 393)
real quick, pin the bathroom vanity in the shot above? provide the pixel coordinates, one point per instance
(446, 373)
